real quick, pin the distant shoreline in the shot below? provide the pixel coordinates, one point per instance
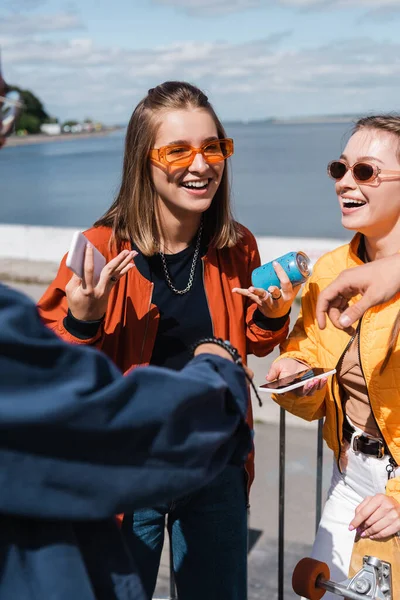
(294, 121)
(42, 138)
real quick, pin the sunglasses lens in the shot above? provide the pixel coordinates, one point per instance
(337, 169)
(178, 154)
(363, 171)
(218, 150)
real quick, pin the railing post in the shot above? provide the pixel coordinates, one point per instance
(281, 533)
(318, 499)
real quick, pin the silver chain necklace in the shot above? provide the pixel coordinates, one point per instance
(192, 268)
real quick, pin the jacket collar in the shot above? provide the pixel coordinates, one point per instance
(354, 249)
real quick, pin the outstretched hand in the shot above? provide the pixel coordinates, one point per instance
(289, 366)
(88, 302)
(274, 302)
(377, 282)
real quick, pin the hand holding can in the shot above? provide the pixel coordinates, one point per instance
(275, 290)
(296, 265)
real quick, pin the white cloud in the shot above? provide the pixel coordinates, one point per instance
(29, 25)
(223, 7)
(19, 5)
(257, 79)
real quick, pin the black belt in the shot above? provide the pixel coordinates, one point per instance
(364, 444)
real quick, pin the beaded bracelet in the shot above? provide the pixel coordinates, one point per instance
(237, 359)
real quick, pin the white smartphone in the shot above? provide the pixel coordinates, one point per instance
(76, 256)
(285, 384)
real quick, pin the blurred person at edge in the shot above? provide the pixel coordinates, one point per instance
(174, 210)
(361, 405)
(79, 443)
(375, 282)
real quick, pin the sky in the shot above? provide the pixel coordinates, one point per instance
(255, 59)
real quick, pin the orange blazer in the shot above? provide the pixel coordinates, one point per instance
(129, 329)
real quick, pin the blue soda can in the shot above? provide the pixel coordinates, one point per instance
(296, 265)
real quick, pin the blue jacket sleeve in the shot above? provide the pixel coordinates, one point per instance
(80, 441)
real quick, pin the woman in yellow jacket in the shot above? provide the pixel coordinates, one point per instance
(361, 403)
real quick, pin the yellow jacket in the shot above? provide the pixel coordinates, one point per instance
(324, 348)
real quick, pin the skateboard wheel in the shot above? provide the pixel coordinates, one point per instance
(305, 575)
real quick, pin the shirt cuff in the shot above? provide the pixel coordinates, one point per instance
(268, 323)
(83, 330)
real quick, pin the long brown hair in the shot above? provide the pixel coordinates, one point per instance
(389, 123)
(133, 214)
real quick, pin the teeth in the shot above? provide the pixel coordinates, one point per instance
(347, 201)
(195, 184)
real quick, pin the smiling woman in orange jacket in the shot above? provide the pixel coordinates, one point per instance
(361, 404)
(173, 209)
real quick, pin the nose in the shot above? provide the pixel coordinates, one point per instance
(347, 182)
(199, 165)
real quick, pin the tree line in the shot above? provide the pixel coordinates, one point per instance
(33, 114)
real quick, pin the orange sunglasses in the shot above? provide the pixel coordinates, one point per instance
(182, 155)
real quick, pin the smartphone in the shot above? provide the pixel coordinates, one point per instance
(285, 384)
(76, 257)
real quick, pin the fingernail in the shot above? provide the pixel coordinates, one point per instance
(344, 320)
(351, 528)
(363, 534)
(275, 263)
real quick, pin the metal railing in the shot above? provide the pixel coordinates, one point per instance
(318, 496)
(281, 496)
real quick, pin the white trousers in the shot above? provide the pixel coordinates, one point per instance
(361, 476)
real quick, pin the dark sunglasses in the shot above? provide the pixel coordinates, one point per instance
(362, 172)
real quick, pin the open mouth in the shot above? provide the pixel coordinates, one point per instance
(200, 184)
(351, 203)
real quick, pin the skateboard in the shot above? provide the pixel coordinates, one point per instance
(374, 573)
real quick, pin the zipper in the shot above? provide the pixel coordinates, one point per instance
(339, 364)
(205, 293)
(392, 463)
(147, 324)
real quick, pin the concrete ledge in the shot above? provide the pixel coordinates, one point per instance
(42, 247)
(27, 271)
(33, 243)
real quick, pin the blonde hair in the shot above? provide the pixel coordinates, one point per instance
(133, 214)
(389, 123)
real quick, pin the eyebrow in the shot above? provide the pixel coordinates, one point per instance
(361, 158)
(186, 143)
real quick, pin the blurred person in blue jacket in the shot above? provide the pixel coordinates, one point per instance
(79, 443)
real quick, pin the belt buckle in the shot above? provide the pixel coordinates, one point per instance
(356, 446)
(354, 443)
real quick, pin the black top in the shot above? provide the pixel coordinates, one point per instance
(184, 318)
